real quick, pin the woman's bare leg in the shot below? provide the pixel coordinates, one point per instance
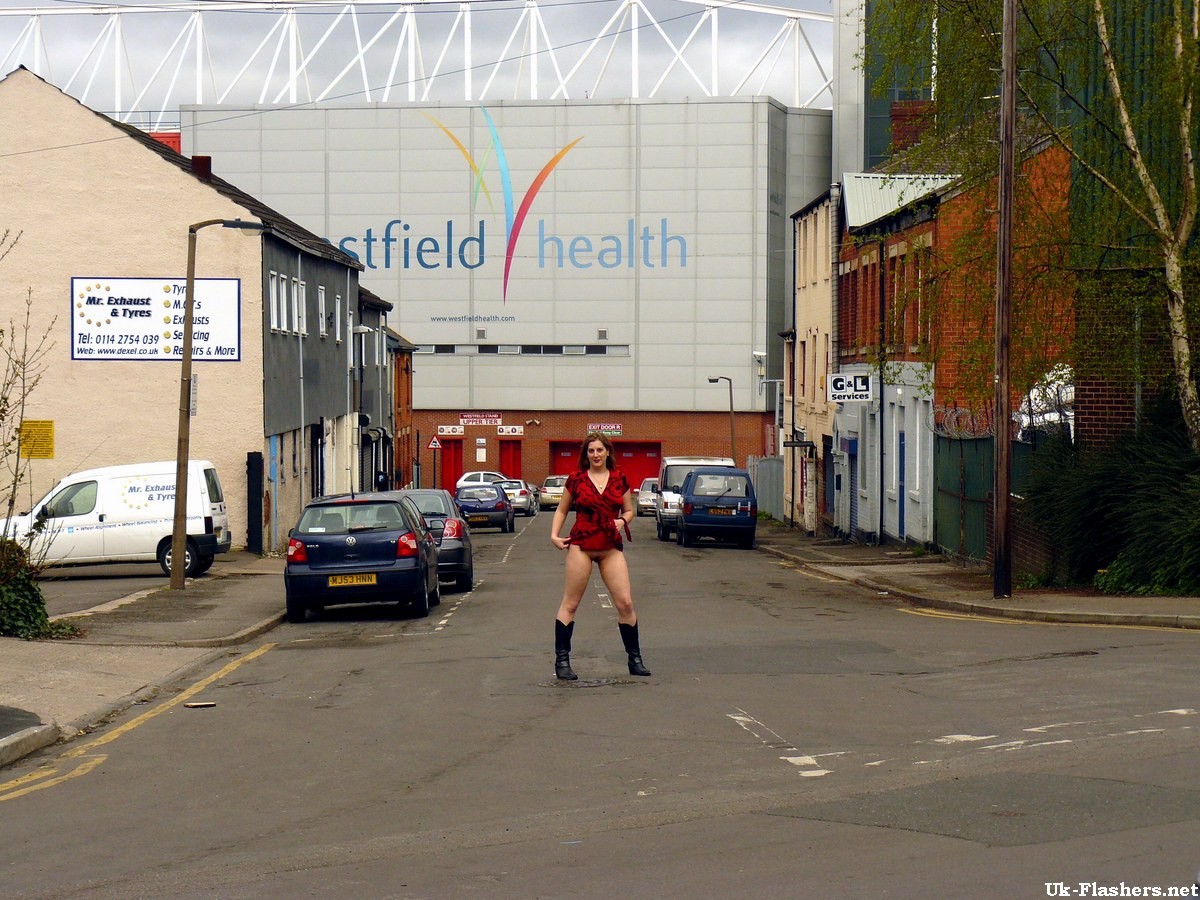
(579, 568)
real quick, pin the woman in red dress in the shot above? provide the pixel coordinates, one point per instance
(603, 509)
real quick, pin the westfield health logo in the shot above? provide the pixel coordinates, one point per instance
(395, 245)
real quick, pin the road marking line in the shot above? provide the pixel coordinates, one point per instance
(179, 698)
(82, 769)
(38, 775)
(1004, 620)
(809, 766)
(91, 761)
(963, 738)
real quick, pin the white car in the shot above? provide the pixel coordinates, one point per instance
(644, 504)
(479, 477)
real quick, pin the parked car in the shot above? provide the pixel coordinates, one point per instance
(644, 504)
(672, 470)
(521, 495)
(717, 502)
(456, 557)
(360, 548)
(480, 477)
(551, 492)
(123, 514)
(486, 505)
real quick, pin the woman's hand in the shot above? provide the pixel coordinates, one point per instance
(559, 541)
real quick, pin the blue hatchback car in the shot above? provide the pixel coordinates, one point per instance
(717, 502)
(360, 548)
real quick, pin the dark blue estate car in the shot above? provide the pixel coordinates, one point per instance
(486, 505)
(717, 502)
(360, 548)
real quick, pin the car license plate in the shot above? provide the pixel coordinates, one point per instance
(721, 511)
(351, 580)
(475, 520)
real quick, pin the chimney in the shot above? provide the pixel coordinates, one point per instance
(202, 167)
(909, 120)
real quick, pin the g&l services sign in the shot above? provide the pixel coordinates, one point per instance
(849, 388)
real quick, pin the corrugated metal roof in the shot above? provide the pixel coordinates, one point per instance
(869, 196)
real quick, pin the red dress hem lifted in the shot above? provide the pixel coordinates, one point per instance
(596, 511)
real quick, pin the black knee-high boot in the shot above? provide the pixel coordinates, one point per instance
(629, 637)
(562, 651)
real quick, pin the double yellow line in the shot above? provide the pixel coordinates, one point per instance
(57, 772)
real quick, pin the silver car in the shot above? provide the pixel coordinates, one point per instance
(552, 491)
(645, 497)
(523, 498)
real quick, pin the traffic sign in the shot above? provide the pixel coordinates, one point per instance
(434, 443)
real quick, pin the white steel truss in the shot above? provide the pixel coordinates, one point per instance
(142, 62)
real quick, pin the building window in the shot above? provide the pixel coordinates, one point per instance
(802, 352)
(321, 324)
(337, 317)
(304, 308)
(272, 299)
(295, 304)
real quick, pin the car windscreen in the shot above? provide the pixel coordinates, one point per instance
(721, 486)
(555, 481)
(431, 504)
(351, 517)
(481, 494)
(672, 477)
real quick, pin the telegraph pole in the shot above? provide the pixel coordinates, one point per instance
(1001, 550)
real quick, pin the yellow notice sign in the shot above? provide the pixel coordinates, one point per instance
(37, 439)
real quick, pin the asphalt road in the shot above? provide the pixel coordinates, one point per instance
(799, 738)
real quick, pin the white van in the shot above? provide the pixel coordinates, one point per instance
(671, 472)
(126, 514)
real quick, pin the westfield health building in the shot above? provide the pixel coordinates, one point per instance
(560, 265)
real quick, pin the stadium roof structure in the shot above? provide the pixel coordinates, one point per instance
(143, 61)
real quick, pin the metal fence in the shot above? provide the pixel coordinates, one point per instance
(767, 474)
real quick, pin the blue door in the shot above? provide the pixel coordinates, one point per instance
(900, 478)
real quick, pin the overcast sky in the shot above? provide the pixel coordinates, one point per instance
(159, 55)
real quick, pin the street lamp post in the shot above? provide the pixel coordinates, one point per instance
(732, 439)
(179, 530)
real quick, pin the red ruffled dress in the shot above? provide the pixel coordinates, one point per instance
(595, 512)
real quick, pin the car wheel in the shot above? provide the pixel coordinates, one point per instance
(297, 612)
(679, 535)
(466, 580)
(436, 598)
(662, 533)
(191, 558)
(421, 604)
(205, 564)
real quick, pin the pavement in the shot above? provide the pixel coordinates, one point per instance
(130, 648)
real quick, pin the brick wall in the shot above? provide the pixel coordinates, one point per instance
(909, 119)
(679, 433)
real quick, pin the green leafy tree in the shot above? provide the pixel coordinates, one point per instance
(1114, 82)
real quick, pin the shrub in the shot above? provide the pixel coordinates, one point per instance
(22, 606)
(1124, 516)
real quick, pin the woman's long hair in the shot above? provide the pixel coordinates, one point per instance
(584, 465)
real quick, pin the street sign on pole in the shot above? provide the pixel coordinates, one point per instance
(434, 443)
